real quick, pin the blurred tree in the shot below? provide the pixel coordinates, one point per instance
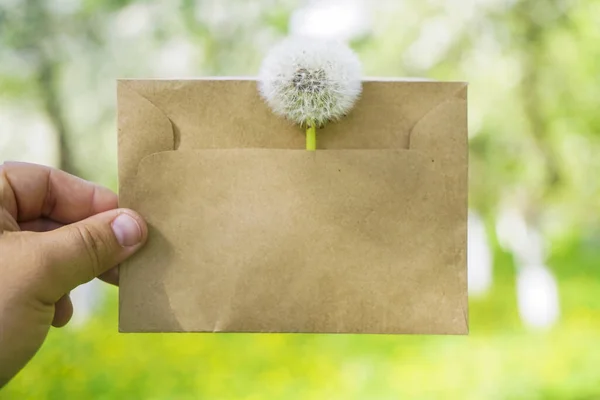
(234, 34)
(33, 31)
(533, 144)
(535, 140)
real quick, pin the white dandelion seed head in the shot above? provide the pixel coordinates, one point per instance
(310, 81)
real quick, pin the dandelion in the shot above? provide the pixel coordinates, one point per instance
(310, 82)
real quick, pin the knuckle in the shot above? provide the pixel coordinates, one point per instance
(95, 245)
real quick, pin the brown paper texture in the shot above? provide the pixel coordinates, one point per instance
(248, 232)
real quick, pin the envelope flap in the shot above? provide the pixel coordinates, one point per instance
(143, 130)
(442, 130)
(228, 113)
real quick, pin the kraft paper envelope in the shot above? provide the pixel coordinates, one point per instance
(249, 232)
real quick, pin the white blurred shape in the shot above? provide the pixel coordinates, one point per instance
(223, 18)
(464, 9)
(517, 237)
(433, 42)
(213, 13)
(537, 295)
(333, 19)
(26, 135)
(436, 36)
(511, 228)
(480, 266)
(85, 298)
(66, 6)
(537, 290)
(134, 20)
(175, 58)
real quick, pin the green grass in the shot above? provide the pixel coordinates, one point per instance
(500, 359)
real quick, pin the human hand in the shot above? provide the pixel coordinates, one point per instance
(56, 233)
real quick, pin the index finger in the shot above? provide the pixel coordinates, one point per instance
(30, 191)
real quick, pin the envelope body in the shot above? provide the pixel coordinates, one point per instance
(249, 232)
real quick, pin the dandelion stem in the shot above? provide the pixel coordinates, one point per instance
(311, 138)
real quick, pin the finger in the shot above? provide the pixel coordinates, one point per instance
(40, 225)
(63, 311)
(31, 191)
(111, 276)
(45, 225)
(77, 253)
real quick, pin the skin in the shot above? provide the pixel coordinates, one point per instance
(56, 233)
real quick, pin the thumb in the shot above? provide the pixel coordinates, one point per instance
(79, 252)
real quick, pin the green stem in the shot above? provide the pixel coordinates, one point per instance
(311, 138)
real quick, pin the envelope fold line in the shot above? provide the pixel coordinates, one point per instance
(458, 97)
(143, 129)
(169, 131)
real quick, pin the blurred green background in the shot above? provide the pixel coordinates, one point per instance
(534, 241)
